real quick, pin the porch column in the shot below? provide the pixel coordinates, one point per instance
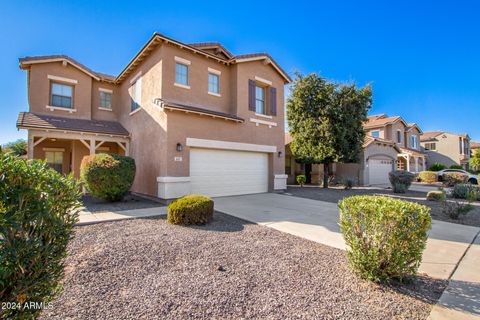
(408, 163)
(416, 164)
(30, 144)
(92, 147)
(127, 148)
(424, 163)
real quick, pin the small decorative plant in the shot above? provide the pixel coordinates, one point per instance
(436, 195)
(464, 191)
(428, 176)
(437, 167)
(301, 180)
(191, 209)
(454, 209)
(348, 183)
(385, 237)
(400, 180)
(107, 176)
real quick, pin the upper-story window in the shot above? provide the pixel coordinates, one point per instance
(105, 100)
(431, 146)
(181, 74)
(460, 145)
(135, 95)
(399, 136)
(375, 134)
(413, 142)
(260, 100)
(61, 95)
(213, 83)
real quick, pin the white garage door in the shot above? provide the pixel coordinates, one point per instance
(223, 173)
(378, 171)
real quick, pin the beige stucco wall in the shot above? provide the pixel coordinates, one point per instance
(413, 131)
(447, 150)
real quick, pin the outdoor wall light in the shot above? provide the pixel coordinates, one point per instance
(279, 154)
(179, 147)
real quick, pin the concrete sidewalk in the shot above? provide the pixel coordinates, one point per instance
(87, 217)
(449, 253)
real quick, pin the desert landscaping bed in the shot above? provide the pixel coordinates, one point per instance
(129, 202)
(336, 194)
(148, 269)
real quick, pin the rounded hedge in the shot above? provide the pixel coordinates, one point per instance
(191, 209)
(436, 195)
(428, 176)
(400, 180)
(385, 237)
(107, 176)
(37, 214)
(450, 179)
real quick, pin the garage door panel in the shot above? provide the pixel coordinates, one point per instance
(222, 172)
(379, 170)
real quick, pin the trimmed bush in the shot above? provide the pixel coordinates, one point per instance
(348, 183)
(301, 179)
(436, 195)
(450, 179)
(385, 237)
(454, 209)
(456, 166)
(466, 191)
(437, 167)
(107, 176)
(400, 180)
(191, 209)
(37, 215)
(428, 176)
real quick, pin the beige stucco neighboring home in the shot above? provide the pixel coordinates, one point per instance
(390, 144)
(446, 148)
(195, 117)
(376, 161)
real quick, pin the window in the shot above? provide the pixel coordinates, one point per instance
(460, 142)
(181, 74)
(260, 100)
(413, 142)
(430, 146)
(135, 95)
(105, 100)
(399, 136)
(55, 160)
(61, 95)
(375, 134)
(213, 83)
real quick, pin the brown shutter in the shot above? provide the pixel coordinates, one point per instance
(273, 101)
(251, 95)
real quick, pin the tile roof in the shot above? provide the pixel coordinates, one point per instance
(41, 121)
(202, 45)
(474, 145)
(430, 135)
(169, 104)
(374, 121)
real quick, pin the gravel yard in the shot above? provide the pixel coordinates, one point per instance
(336, 194)
(129, 202)
(147, 269)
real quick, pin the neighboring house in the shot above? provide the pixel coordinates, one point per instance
(390, 144)
(474, 147)
(376, 161)
(195, 118)
(446, 148)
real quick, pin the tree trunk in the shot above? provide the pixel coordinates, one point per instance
(325, 175)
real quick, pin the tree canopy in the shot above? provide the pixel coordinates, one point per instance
(325, 120)
(17, 148)
(475, 160)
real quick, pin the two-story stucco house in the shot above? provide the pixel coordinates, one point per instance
(446, 148)
(195, 118)
(390, 144)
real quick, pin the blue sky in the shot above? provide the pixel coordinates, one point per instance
(422, 58)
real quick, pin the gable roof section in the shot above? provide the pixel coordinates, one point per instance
(213, 45)
(430, 135)
(410, 126)
(26, 61)
(369, 140)
(151, 44)
(32, 120)
(375, 121)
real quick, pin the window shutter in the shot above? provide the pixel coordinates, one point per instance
(251, 95)
(273, 101)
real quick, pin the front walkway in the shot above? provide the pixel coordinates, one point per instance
(318, 221)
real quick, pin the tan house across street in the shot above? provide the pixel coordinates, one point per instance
(446, 148)
(195, 118)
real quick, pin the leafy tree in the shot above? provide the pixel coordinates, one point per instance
(475, 160)
(17, 148)
(326, 120)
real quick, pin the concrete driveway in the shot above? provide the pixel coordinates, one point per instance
(318, 221)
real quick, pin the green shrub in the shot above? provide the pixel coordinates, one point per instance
(37, 215)
(348, 183)
(436, 195)
(450, 179)
(428, 176)
(437, 167)
(107, 176)
(301, 179)
(454, 209)
(466, 191)
(191, 209)
(456, 166)
(385, 237)
(400, 180)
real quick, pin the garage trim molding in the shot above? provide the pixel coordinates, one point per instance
(227, 145)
